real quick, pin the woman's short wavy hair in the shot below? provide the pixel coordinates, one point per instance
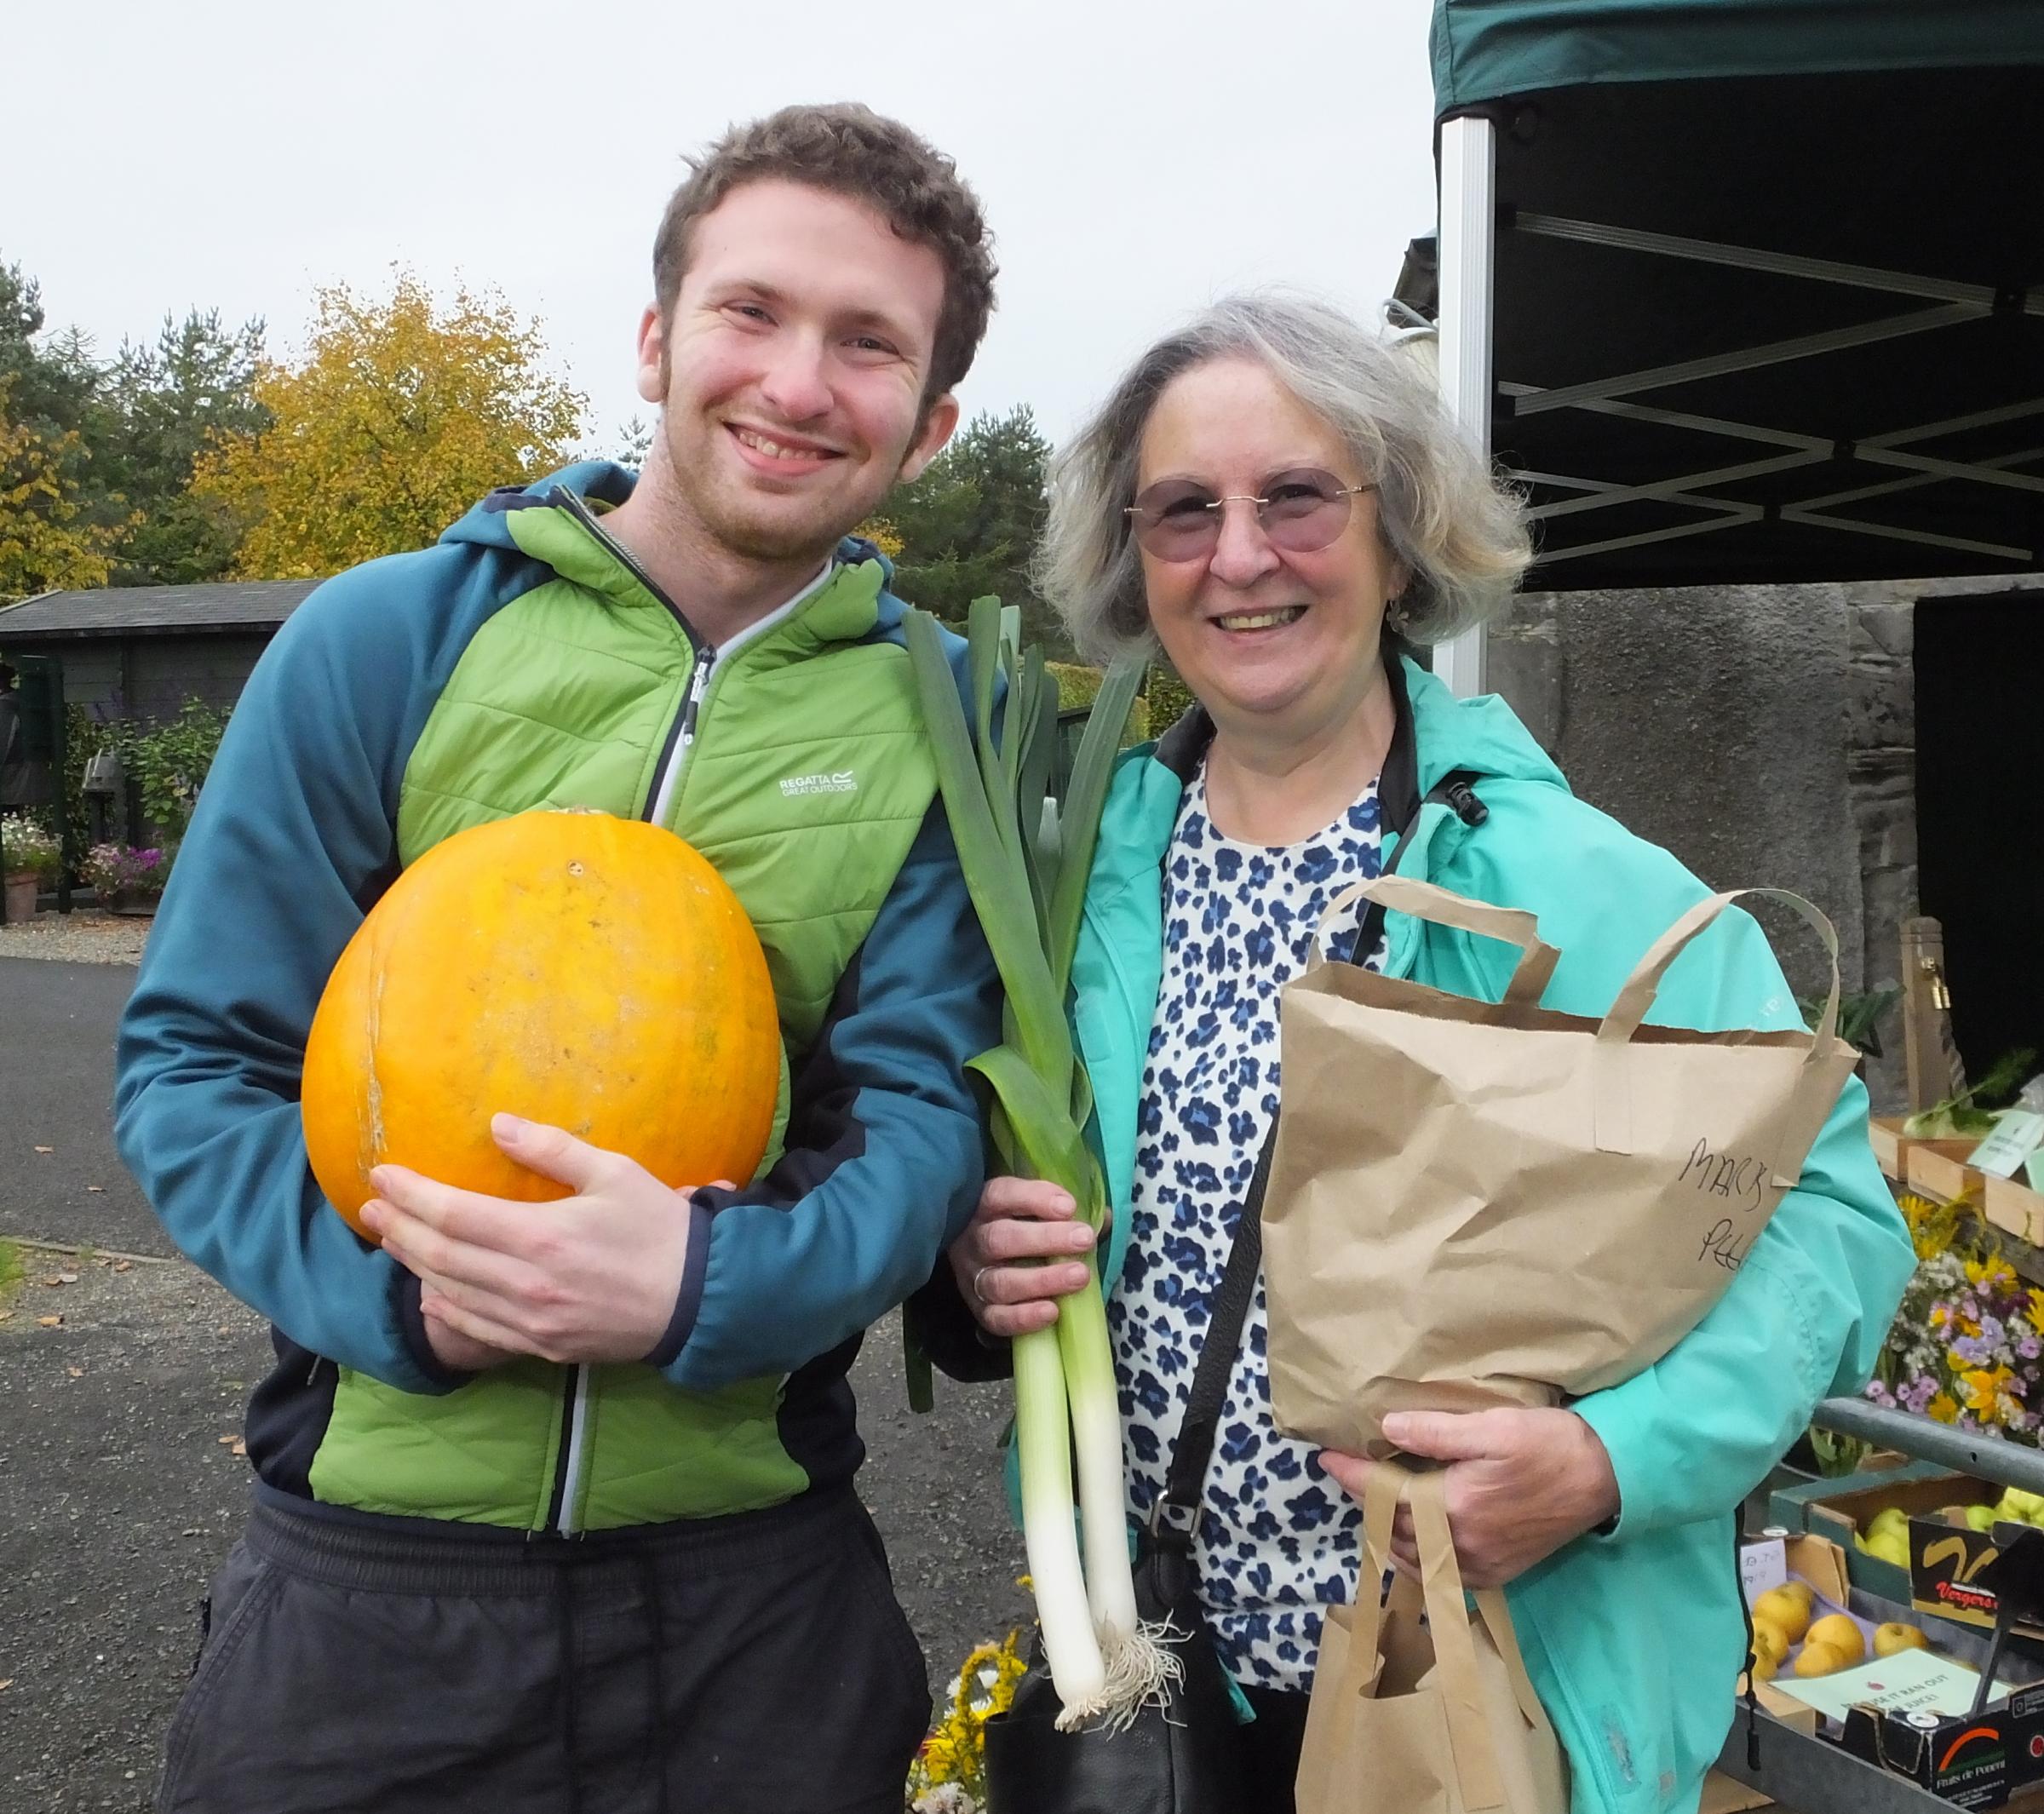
(1461, 534)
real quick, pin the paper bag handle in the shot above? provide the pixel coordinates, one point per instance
(1497, 1617)
(1614, 1097)
(1447, 1619)
(1423, 900)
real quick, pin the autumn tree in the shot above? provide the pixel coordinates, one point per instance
(61, 517)
(48, 541)
(400, 414)
(970, 524)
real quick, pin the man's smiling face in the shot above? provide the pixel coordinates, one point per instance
(792, 368)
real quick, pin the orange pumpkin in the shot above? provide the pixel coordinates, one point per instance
(592, 972)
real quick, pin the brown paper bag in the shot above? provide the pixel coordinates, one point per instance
(1437, 1717)
(1476, 1203)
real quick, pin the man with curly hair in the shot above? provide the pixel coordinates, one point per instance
(554, 1511)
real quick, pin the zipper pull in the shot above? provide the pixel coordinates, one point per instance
(698, 683)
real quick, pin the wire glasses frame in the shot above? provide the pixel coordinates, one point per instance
(1300, 510)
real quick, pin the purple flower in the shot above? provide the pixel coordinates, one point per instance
(1880, 1395)
(2028, 1347)
(1972, 1349)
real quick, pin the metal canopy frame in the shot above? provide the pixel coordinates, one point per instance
(1469, 223)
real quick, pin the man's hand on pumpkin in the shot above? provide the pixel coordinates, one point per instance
(593, 1276)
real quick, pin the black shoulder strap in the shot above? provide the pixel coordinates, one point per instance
(1177, 1512)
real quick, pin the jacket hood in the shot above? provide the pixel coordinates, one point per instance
(601, 484)
(1483, 735)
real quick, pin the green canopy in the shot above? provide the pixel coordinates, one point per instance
(1766, 297)
(1486, 50)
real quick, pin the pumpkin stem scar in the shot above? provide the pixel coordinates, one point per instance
(373, 1124)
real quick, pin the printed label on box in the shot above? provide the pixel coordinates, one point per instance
(2016, 1135)
(1762, 1565)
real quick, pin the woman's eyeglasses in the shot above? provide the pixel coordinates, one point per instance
(1299, 511)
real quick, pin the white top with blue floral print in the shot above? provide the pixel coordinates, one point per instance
(1277, 1540)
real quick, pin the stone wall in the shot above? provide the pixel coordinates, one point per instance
(1764, 734)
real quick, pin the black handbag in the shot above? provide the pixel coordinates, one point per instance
(1186, 1755)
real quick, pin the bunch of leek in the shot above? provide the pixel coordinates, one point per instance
(1025, 864)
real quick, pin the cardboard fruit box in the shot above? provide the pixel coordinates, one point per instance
(1945, 1562)
(1843, 1509)
(1982, 1761)
(1973, 1760)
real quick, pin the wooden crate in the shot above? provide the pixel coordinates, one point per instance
(1938, 1169)
(2012, 1206)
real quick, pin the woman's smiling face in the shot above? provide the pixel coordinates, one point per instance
(1259, 632)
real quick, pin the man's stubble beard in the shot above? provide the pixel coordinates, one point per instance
(746, 536)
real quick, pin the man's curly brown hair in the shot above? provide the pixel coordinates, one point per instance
(852, 151)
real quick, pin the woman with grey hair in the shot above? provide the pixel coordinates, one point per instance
(1275, 500)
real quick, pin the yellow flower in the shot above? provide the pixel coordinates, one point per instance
(2037, 1309)
(955, 1750)
(1984, 1389)
(1943, 1408)
(1993, 1270)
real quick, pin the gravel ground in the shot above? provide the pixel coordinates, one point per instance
(60, 1178)
(77, 937)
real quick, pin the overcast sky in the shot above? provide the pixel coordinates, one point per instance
(1135, 159)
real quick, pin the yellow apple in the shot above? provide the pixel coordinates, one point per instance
(1771, 1644)
(1837, 1632)
(1822, 1659)
(1786, 1610)
(1895, 1636)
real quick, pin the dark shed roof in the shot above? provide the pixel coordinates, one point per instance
(126, 611)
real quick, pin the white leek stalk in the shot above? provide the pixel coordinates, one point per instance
(1025, 866)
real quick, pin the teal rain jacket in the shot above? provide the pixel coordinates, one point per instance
(1634, 1638)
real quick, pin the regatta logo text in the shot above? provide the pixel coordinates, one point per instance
(845, 781)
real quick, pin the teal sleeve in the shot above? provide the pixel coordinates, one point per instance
(292, 841)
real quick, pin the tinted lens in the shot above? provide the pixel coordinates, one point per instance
(1176, 519)
(1305, 509)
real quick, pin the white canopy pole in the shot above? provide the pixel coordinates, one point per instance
(1468, 217)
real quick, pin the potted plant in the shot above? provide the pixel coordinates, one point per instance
(33, 859)
(126, 879)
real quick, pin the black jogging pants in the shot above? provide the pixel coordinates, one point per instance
(754, 1662)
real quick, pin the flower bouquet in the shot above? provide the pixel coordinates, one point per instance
(948, 1776)
(1967, 1347)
